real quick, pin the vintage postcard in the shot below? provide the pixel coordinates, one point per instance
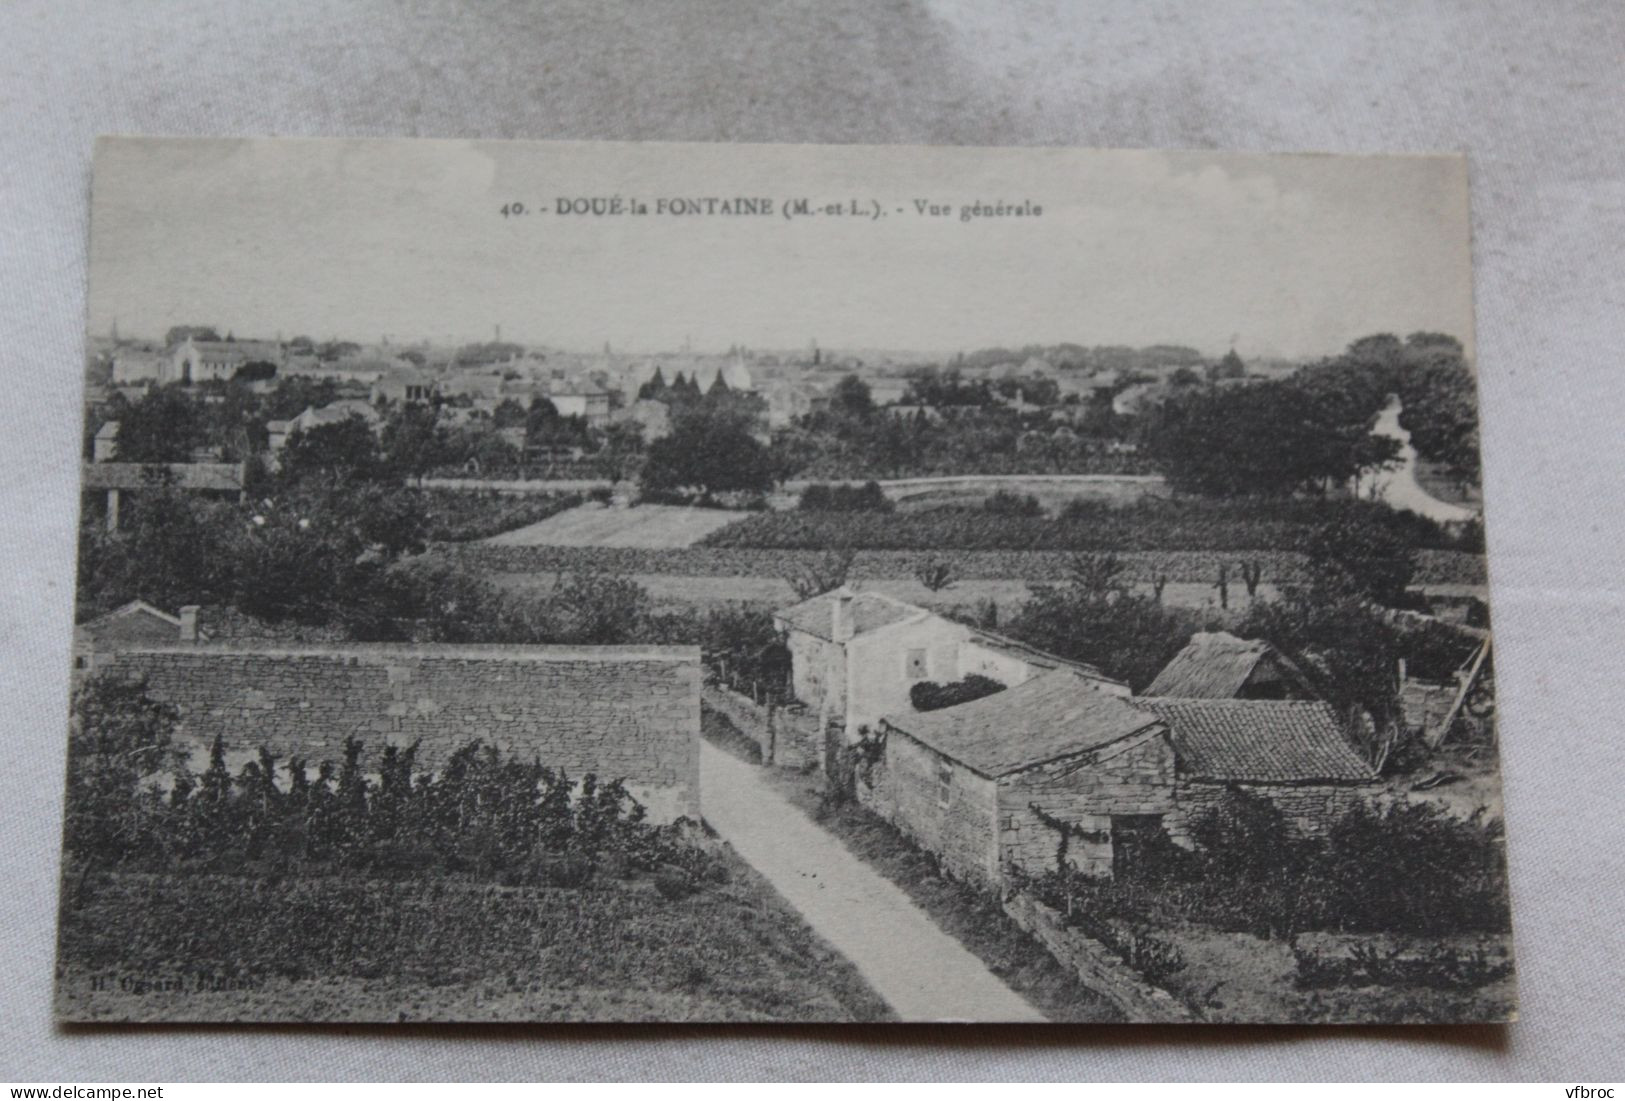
(599, 582)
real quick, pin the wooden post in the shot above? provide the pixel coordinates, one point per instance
(112, 509)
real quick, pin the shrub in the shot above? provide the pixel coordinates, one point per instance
(935, 573)
(1006, 503)
(931, 696)
(868, 497)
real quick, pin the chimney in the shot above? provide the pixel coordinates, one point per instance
(189, 623)
(840, 623)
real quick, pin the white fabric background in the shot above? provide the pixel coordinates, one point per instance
(1532, 91)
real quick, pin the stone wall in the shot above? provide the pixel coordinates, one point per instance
(905, 788)
(1134, 776)
(787, 736)
(630, 713)
(1309, 809)
(818, 674)
(1098, 967)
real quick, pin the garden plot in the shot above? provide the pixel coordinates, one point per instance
(596, 525)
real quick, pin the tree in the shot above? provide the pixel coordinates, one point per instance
(118, 737)
(332, 454)
(172, 548)
(655, 388)
(414, 440)
(623, 446)
(1095, 617)
(1374, 561)
(1274, 438)
(163, 427)
(259, 370)
(711, 453)
(180, 334)
(592, 608)
(1230, 367)
(510, 414)
(851, 398)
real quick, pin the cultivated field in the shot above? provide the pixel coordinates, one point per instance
(141, 947)
(595, 525)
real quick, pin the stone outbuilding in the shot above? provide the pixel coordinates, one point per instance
(975, 783)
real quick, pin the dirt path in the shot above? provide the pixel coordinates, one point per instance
(1398, 485)
(924, 974)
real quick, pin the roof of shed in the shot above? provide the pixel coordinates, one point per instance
(1215, 665)
(1264, 741)
(1054, 715)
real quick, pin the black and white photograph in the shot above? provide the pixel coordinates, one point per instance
(574, 581)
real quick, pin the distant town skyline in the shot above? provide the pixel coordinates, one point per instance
(1278, 256)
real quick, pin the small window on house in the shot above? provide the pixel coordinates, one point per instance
(945, 782)
(914, 668)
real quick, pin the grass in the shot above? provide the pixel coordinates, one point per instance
(142, 947)
(1239, 978)
(972, 917)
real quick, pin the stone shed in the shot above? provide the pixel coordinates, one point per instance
(1298, 754)
(974, 783)
(621, 712)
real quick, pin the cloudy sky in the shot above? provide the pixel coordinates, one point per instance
(1292, 255)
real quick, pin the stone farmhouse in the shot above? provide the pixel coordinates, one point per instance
(620, 712)
(983, 784)
(856, 656)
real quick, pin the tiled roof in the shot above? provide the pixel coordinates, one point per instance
(870, 611)
(1055, 715)
(1266, 741)
(1215, 665)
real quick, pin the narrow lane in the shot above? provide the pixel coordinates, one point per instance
(922, 972)
(1398, 485)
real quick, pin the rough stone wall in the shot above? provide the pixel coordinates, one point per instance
(1309, 809)
(1134, 776)
(905, 789)
(1098, 966)
(629, 713)
(817, 673)
(787, 737)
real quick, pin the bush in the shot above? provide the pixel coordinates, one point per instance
(930, 696)
(1006, 503)
(844, 498)
(1408, 869)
